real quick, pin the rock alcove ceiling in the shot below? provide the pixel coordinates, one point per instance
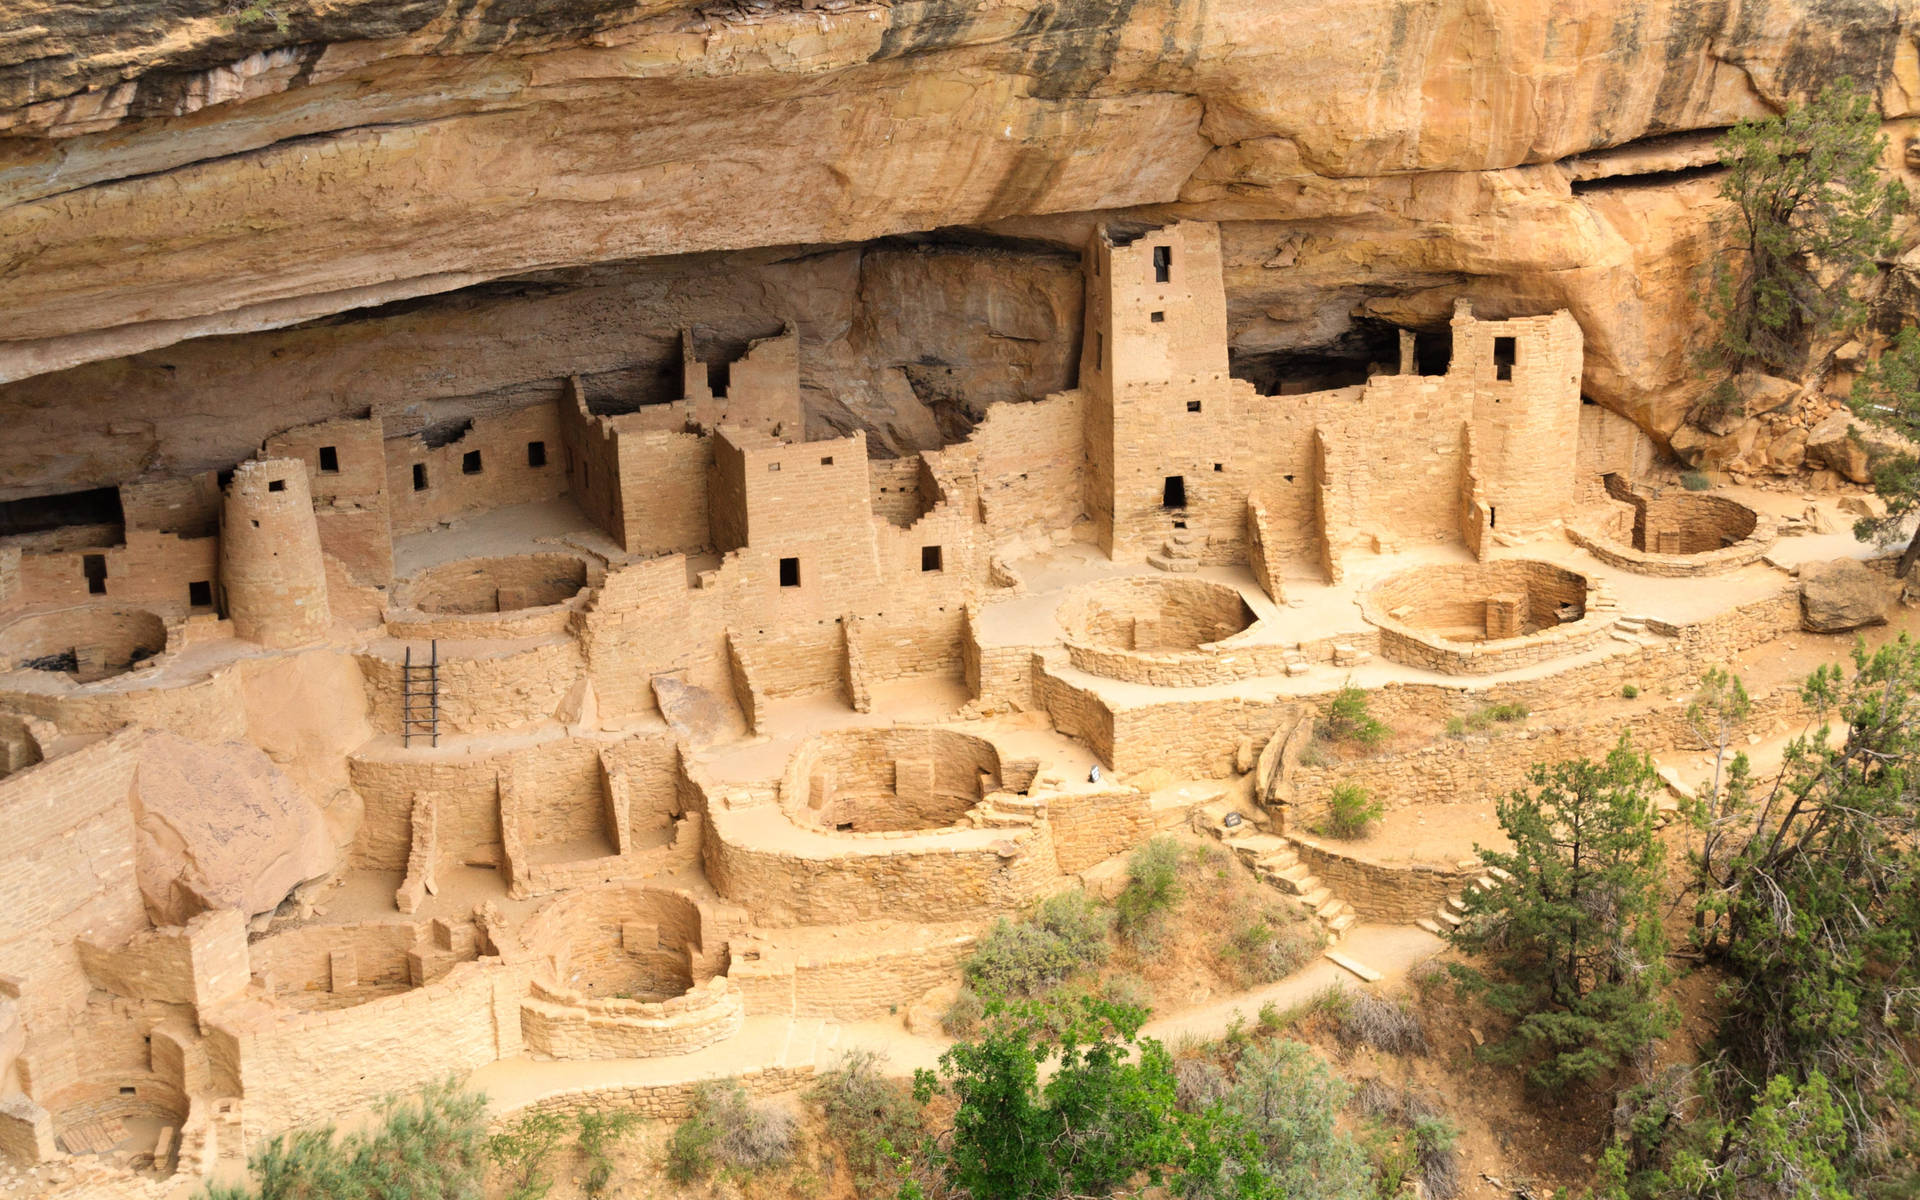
(332, 205)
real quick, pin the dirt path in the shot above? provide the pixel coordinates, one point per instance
(1391, 950)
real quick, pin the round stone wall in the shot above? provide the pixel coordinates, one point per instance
(1680, 534)
(91, 642)
(886, 780)
(1473, 618)
(623, 972)
(1153, 613)
(495, 585)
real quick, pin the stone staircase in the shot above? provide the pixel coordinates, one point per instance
(1277, 864)
(1004, 810)
(1180, 552)
(1453, 913)
(1634, 632)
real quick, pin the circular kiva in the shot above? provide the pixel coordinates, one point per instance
(92, 642)
(1474, 618)
(877, 780)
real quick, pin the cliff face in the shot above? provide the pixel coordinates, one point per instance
(172, 169)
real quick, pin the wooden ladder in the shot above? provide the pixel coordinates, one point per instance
(420, 697)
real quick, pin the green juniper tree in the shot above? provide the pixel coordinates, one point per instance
(1887, 394)
(1810, 899)
(1106, 1122)
(1810, 214)
(1571, 932)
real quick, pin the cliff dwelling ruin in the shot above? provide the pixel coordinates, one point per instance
(583, 730)
(599, 555)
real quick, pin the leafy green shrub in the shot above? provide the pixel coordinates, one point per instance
(728, 1132)
(963, 1015)
(1290, 1102)
(431, 1149)
(1351, 813)
(1272, 1020)
(1349, 720)
(1067, 934)
(1695, 481)
(1107, 1116)
(873, 1118)
(1153, 888)
(598, 1133)
(520, 1151)
(1271, 946)
(1629, 692)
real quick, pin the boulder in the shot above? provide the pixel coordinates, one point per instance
(1835, 444)
(220, 827)
(1844, 594)
(1761, 394)
(1789, 450)
(1701, 448)
(923, 1015)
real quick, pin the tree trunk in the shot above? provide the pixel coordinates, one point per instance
(1908, 556)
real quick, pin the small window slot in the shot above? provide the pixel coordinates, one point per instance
(1505, 355)
(94, 567)
(329, 460)
(930, 558)
(1163, 264)
(536, 454)
(789, 572)
(1157, 317)
(419, 477)
(200, 594)
(277, 485)
(1193, 406)
(470, 463)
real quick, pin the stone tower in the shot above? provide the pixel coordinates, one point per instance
(1153, 363)
(271, 568)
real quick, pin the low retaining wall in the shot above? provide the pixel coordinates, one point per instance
(1396, 892)
(857, 985)
(569, 1024)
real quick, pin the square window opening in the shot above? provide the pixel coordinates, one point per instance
(129, 1091)
(536, 454)
(200, 593)
(470, 463)
(1173, 494)
(1219, 466)
(419, 477)
(1157, 317)
(329, 460)
(1179, 524)
(789, 572)
(774, 466)
(94, 567)
(1163, 264)
(1505, 354)
(826, 460)
(277, 485)
(1193, 406)
(929, 558)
